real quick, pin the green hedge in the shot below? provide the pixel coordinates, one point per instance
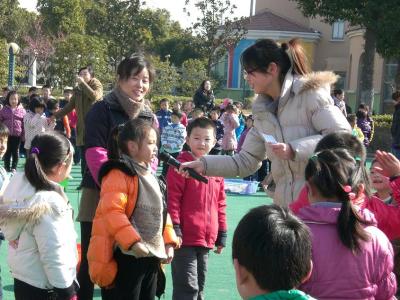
(384, 121)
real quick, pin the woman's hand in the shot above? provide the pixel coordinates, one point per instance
(169, 250)
(390, 164)
(196, 165)
(282, 150)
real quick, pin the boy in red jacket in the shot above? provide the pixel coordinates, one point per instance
(197, 211)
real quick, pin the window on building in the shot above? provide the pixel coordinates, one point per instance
(389, 77)
(338, 30)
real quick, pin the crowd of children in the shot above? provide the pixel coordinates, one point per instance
(342, 243)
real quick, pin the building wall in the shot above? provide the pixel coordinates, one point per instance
(329, 54)
(285, 8)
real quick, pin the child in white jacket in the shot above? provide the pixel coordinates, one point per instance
(35, 121)
(36, 219)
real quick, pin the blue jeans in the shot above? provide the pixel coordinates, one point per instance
(396, 152)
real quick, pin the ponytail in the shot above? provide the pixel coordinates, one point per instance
(35, 174)
(113, 151)
(349, 226)
(47, 151)
(298, 57)
(335, 174)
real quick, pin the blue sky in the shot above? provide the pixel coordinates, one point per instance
(175, 9)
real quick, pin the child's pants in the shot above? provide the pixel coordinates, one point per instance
(136, 277)
(189, 268)
(12, 153)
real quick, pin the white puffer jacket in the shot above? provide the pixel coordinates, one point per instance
(304, 113)
(46, 255)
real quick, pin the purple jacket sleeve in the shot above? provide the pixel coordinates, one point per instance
(95, 157)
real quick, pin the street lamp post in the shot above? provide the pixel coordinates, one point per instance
(13, 50)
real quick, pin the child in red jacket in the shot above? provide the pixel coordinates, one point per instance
(197, 211)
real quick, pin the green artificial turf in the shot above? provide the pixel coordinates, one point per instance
(220, 282)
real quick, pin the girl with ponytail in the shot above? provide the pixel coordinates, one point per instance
(352, 258)
(293, 105)
(36, 219)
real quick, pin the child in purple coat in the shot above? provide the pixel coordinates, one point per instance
(12, 115)
(352, 258)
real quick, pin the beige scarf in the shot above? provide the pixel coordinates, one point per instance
(130, 106)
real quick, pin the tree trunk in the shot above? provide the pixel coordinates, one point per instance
(367, 72)
(397, 78)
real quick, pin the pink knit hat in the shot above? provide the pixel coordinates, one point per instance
(225, 103)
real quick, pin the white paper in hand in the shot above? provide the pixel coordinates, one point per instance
(269, 139)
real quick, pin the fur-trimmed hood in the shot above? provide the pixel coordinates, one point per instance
(22, 205)
(296, 85)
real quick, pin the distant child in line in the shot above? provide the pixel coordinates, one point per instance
(242, 119)
(132, 231)
(249, 125)
(230, 121)
(198, 213)
(4, 177)
(12, 115)
(178, 106)
(356, 131)
(35, 121)
(352, 258)
(365, 123)
(188, 107)
(173, 138)
(62, 125)
(37, 221)
(271, 253)
(214, 116)
(164, 114)
(196, 113)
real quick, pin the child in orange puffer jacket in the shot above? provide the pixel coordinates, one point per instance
(131, 218)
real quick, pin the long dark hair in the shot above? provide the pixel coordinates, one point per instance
(330, 171)
(7, 100)
(133, 130)
(47, 151)
(259, 56)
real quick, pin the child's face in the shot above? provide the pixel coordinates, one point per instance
(175, 119)
(378, 181)
(201, 141)
(67, 96)
(3, 145)
(177, 106)
(164, 105)
(197, 114)
(14, 100)
(249, 123)
(39, 110)
(214, 115)
(46, 93)
(147, 150)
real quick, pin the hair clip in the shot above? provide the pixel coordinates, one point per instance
(35, 150)
(347, 188)
(357, 158)
(352, 196)
(314, 157)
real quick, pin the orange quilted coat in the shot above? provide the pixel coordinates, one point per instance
(111, 224)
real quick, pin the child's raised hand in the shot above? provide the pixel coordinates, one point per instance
(218, 249)
(390, 164)
(169, 250)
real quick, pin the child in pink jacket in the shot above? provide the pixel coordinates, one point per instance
(387, 216)
(352, 259)
(230, 120)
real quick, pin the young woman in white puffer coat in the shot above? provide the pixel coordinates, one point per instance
(293, 105)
